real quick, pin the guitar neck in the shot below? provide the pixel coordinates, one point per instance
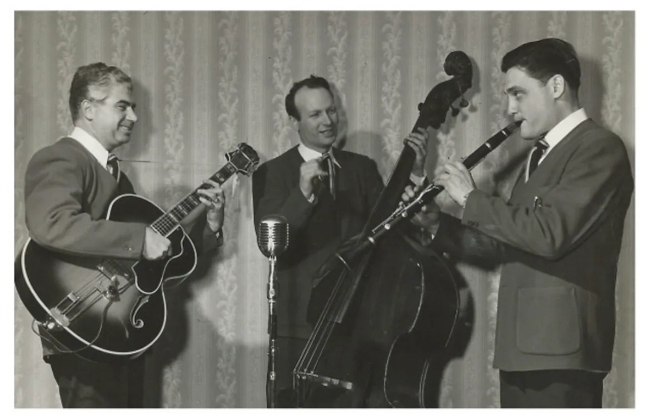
(172, 218)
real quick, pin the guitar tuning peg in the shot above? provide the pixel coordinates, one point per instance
(463, 103)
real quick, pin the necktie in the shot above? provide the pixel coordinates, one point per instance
(332, 174)
(536, 155)
(113, 166)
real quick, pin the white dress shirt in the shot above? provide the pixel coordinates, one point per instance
(309, 154)
(558, 133)
(91, 144)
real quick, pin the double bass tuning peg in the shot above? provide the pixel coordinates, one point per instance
(463, 104)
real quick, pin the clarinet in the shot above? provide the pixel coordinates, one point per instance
(405, 211)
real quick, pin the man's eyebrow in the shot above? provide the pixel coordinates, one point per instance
(127, 103)
(511, 89)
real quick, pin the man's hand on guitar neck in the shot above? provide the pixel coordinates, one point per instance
(155, 246)
(214, 199)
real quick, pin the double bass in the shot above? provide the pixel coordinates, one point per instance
(380, 309)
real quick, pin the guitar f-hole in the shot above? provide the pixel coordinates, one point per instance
(138, 323)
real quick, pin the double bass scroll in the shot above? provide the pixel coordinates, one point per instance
(432, 113)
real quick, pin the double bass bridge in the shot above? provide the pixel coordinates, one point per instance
(323, 380)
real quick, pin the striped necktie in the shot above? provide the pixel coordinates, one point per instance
(113, 166)
(536, 156)
(332, 174)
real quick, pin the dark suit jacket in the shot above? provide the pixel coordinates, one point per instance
(67, 195)
(559, 237)
(315, 230)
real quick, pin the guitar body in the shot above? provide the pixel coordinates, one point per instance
(113, 310)
(108, 310)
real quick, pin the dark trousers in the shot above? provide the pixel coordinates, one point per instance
(88, 384)
(551, 388)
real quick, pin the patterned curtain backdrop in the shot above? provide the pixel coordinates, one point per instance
(205, 81)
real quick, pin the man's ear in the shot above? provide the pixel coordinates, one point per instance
(87, 110)
(294, 122)
(557, 85)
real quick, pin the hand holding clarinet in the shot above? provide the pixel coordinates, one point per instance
(455, 181)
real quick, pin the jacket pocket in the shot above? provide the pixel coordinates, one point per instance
(547, 321)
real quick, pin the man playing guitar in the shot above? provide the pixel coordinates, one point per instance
(69, 187)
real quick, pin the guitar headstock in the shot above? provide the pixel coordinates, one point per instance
(244, 158)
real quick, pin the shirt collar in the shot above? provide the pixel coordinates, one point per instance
(309, 154)
(558, 133)
(91, 144)
(561, 130)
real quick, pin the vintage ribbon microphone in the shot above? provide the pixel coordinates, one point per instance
(273, 240)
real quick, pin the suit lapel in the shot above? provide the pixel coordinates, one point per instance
(531, 193)
(557, 153)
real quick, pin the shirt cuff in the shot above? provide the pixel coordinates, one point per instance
(417, 180)
(465, 198)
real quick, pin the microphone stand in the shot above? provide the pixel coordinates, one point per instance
(272, 331)
(273, 240)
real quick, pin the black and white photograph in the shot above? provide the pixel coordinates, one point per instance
(324, 208)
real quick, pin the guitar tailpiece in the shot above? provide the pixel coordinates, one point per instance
(50, 325)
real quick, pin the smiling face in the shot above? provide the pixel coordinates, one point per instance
(531, 101)
(317, 126)
(112, 115)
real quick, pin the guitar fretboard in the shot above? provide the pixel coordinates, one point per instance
(170, 220)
